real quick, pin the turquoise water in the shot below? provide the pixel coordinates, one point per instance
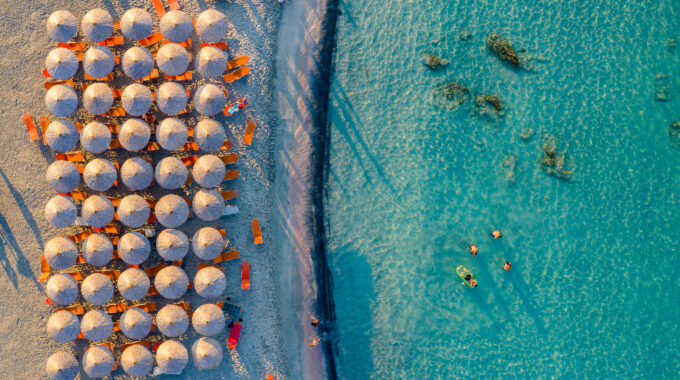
(594, 290)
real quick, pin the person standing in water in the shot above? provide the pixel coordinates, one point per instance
(496, 234)
(471, 282)
(507, 265)
(473, 250)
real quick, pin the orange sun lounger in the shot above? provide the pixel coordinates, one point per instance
(257, 234)
(231, 174)
(67, 82)
(186, 76)
(226, 256)
(72, 157)
(229, 195)
(112, 41)
(159, 7)
(151, 39)
(219, 45)
(141, 342)
(174, 5)
(230, 158)
(74, 46)
(236, 62)
(32, 132)
(245, 275)
(237, 74)
(77, 310)
(250, 131)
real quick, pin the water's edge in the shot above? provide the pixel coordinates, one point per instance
(303, 64)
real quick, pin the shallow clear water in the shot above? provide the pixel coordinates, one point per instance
(594, 288)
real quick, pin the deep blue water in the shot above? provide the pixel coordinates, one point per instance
(594, 290)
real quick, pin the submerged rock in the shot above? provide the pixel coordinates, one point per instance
(464, 35)
(489, 106)
(433, 62)
(674, 134)
(670, 45)
(451, 94)
(662, 87)
(553, 162)
(526, 133)
(508, 165)
(502, 48)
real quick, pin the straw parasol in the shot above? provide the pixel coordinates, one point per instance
(63, 326)
(172, 133)
(171, 98)
(62, 26)
(134, 134)
(96, 325)
(209, 135)
(62, 135)
(62, 365)
(172, 59)
(97, 24)
(63, 176)
(98, 61)
(211, 62)
(207, 243)
(172, 211)
(137, 361)
(61, 63)
(133, 211)
(97, 289)
(172, 321)
(60, 211)
(97, 211)
(208, 319)
(100, 174)
(208, 205)
(176, 26)
(172, 357)
(136, 173)
(97, 250)
(136, 99)
(133, 284)
(95, 137)
(209, 99)
(98, 98)
(210, 282)
(136, 23)
(61, 100)
(61, 252)
(209, 171)
(172, 245)
(62, 289)
(137, 62)
(171, 173)
(135, 323)
(133, 247)
(211, 25)
(207, 353)
(171, 282)
(98, 361)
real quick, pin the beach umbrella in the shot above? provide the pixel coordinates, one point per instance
(207, 243)
(136, 173)
(61, 100)
(176, 26)
(137, 62)
(133, 284)
(208, 319)
(95, 137)
(208, 205)
(62, 289)
(209, 100)
(62, 135)
(172, 133)
(171, 98)
(62, 26)
(172, 357)
(171, 173)
(172, 211)
(61, 252)
(172, 245)
(96, 325)
(211, 25)
(135, 323)
(209, 171)
(137, 361)
(210, 282)
(133, 247)
(209, 135)
(172, 59)
(61, 63)
(98, 361)
(97, 289)
(98, 61)
(97, 24)
(171, 282)
(211, 62)
(133, 211)
(136, 99)
(207, 353)
(98, 98)
(97, 211)
(63, 176)
(172, 321)
(134, 134)
(61, 212)
(97, 250)
(100, 174)
(62, 365)
(136, 23)
(63, 326)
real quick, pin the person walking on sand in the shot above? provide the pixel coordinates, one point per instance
(315, 341)
(473, 250)
(496, 234)
(507, 265)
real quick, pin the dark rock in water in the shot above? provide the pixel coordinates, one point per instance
(502, 48)
(464, 35)
(433, 62)
(662, 87)
(453, 94)
(489, 106)
(670, 45)
(674, 134)
(508, 165)
(526, 133)
(553, 161)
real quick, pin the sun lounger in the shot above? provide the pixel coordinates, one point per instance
(185, 44)
(118, 111)
(184, 305)
(77, 310)
(44, 269)
(77, 156)
(117, 93)
(219, 45)
(30, 127)
(77, 195)
(141, 342)
(257, 234)
(46, 74)
(159, 7)
(227, 145)
(270, 377)
(151, 39)
(44, 123)
(67, 82)
(189, 160)
(231, 174)
(189, 146)
(186, 76)
(116, 308)
(111, 274)
(152, 146)
(236, 62)
(74, 46)
(230, 158)
(112, 41)
(234, 335)
(78, 276)
(80, 236)
(229, 195)
(106, 78)
(149, 307)
(152, 291)
(153, 75)
(115, 144)
(154, 270)
(245, 275)
(250, 131)
(204, 265)
(116, 24)
(226, 256)
(80, 168)
(174, 5)
(237, 74)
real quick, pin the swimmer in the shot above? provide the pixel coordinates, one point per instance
(496, 234)
(315, 321)
(507, 265)
(473, 250)
(315, 341)
(471, 282)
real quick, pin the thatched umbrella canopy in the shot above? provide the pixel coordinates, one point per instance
(61, 100)
(172, 211)
(61, 252)
(171, 173)
(133, 211)
(172, 59)
(137, 361)
(208, 319)
(62, 365)
(171, 98)
(62, 289)
(207, 243)
(172, 133)
(133, 284)
(207, 353)
(98, 98)
(136, 173)
(61, 63)
(63, 326)
(97, 289)
(208, 205)
(96, 325)
(172, 321)
(172, 357)
(100, 174)
(211, 62)
(97, 211)
(133, 247)
(62, 26)
(209, 135)
(61, 212)
(62, 135)
(98, 61)
(97, 250)
(211, 25)
(98, 361)
(135, 323)
(134, 134)
(136, 23)
(63, 176)
(172, 245)
(95, 137)
(176, 26)
(97, 24)
(137, 62)
(209, 99)
(209, 171)
(136, 99)
(210, 282)
(171, 282)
